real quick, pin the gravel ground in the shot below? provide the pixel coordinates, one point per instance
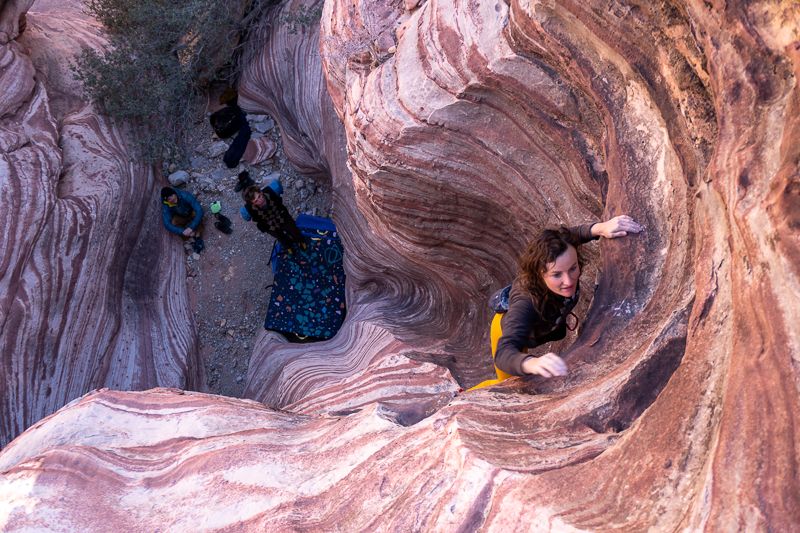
(228, 282)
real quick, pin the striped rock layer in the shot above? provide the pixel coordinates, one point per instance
(92, 290)
(452, 130)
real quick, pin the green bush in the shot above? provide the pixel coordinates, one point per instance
(160, 55)
(301, 17)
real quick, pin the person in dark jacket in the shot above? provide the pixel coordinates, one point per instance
(229, 121)
(542, 298)
(182, 215)
(270, 215)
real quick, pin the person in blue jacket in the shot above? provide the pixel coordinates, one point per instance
(183, 215)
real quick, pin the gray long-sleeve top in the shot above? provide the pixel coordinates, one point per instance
(524, 327)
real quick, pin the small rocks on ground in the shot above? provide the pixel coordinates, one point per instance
(217, 149)
(220, 174)
(263, 127)
(198, 162)
(268, 178)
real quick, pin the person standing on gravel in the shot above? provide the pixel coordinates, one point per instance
(270, 215)
(229, 121)
(182, 215)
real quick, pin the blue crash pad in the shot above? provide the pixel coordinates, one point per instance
(307, 301)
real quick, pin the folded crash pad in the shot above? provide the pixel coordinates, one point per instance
(307, 301)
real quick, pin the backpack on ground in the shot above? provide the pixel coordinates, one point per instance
(227, 121)
(223, 224)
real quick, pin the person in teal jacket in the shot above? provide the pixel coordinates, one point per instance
(182, 215)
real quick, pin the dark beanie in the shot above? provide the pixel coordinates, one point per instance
(166, 192)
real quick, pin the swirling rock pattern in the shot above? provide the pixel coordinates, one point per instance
(468, 124)
(336, 375)
(91, 288)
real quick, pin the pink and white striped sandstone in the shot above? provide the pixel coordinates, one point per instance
(450, 131)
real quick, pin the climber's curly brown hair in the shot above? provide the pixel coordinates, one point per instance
(540, 252)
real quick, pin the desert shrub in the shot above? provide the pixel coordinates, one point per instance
(301, 17)
(160, 55)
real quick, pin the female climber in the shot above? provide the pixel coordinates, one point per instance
(542, 297)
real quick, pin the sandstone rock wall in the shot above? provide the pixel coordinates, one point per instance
(91, 288)
(467, 124)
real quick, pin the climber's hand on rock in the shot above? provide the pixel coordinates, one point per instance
(548, 365)
(616, 227)
(188, 232)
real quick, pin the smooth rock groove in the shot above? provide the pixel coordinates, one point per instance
(467, 125)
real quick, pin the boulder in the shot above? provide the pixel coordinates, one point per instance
(178, 178)
(217, 149)
(264, 127)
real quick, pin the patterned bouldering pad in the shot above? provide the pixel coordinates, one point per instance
(307, 301)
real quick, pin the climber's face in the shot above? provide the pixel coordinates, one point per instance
(561, 276)
(259, 200)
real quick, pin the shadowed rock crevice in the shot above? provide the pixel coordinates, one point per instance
(640, 391)
(645, 381)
